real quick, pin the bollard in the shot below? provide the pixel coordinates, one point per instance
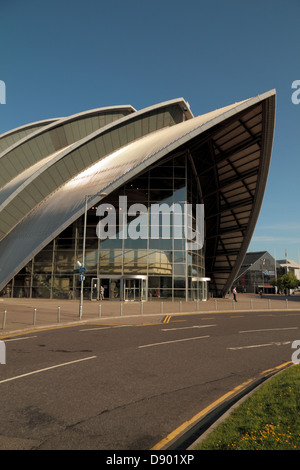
(2, 352)
(34, 316)
(197, 305)
(287, 303)
(180, 306)
(251, 304)
(99, 312)
(142, 308)
(121, 309)
(58, 314)
(4, 319)
(269, 303)
(233, 305)
(216, 305)
(161, 307)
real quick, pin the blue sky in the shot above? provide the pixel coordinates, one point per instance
(66, 56)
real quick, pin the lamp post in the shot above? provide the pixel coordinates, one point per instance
(82, 267)
(263, 261)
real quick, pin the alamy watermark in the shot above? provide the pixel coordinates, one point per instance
(2, 92)
(160, 221)
(295, 358)
(296, 100)
(296, 94)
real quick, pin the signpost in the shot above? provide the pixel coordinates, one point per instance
(81, 269)
(81, 272)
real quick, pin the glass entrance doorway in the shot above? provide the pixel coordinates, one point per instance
(95, 289)
(105, 289)
(135, 289)
(111, 288)
(130, 288)
(198, 288)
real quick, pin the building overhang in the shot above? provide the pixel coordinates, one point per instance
(230, 149)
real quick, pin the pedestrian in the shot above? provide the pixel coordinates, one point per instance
(101, 293)
(234, 294)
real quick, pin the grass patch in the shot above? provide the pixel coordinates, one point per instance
(268, 420)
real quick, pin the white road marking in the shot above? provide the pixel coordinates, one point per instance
(186, 327)
(46, 369)
(19, 339)
(105, 327)
(270, 329)
(175, 341)
(261, 345)
(99, 328)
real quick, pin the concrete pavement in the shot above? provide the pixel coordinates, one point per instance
(17, 315)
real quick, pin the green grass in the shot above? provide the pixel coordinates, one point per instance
(268, 420)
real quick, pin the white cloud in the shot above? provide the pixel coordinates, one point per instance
(267, 238)
(283, 227)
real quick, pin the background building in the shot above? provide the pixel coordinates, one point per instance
(257, 271)
(289, 265)
(53, 173)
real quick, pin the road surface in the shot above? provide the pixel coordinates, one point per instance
(118, 387)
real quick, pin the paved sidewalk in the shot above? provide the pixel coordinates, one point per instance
(17, 315)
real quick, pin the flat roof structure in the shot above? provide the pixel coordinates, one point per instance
(48, 168)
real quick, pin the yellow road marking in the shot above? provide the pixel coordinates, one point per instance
(71, 325)
(37, 330)
(281, 366)
(167, 319)
(195, 418)
(210, 407)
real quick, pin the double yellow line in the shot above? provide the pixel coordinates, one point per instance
(183, 427)
(167, 319)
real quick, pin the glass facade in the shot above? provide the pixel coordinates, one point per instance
(156, 264)
(258, 275)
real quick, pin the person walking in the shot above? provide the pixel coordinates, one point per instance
(234, 294)
(101, 293)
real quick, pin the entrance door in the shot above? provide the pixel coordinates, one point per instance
(111, 288)
(114, 289)
(202, 289)
(133, 289)
(95, 289)
(105, 283)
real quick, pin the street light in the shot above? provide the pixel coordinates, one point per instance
(263, 262)
(82, 265)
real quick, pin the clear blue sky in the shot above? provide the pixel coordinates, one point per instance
(61, 57)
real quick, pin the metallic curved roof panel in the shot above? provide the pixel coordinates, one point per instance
(60, 133)
(13, 136)
(30, 187)
(230, 149)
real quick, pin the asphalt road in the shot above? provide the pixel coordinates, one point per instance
(127, 387)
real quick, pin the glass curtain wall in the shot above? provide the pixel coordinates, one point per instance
(172, 272)
(258, 277)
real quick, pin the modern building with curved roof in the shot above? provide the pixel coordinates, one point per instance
(54, 174)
